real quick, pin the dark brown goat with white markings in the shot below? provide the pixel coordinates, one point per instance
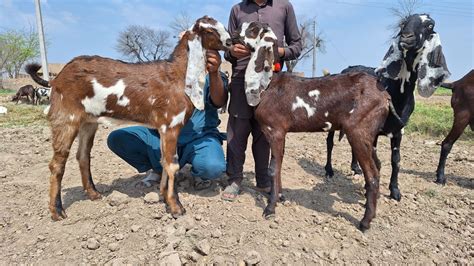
(462, 103)
(354, 103)
(91, 89)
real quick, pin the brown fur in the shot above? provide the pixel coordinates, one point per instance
(339, 94)
(462, 102)
(27, 92)
(163, 81)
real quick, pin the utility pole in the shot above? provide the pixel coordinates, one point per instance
(314, 48)
(39, 23)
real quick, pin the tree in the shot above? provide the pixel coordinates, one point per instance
(143, 44)
(16, 48)
(307, 37)
(181, 22)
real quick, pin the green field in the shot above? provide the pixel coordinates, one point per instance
(434, 120)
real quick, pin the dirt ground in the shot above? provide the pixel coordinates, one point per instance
(317, 225)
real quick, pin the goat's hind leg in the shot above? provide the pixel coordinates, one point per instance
(329, 146)
(86, 141)
(169, 161)
(460, 123)
(63, 135)
(362, 147)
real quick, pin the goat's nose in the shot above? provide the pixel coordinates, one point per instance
(228, 42)
(408, 36)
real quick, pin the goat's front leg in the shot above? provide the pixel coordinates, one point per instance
(86, 141)
(460, 123)
(395, 146)
(329, 145)
(277, 146)
(169, 161)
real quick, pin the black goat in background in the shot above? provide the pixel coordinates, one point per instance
(414, 58)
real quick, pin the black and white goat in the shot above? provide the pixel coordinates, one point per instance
(414, 60)
(42, 94)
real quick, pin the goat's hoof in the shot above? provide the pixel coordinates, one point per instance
(268, 214)
(58, 215)
(395, 194)
(364, 226)
(177, 212)
(281, 197)
(93, 195)
(440, 181)
(356, 171)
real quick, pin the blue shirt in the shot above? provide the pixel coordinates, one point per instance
(203, 122)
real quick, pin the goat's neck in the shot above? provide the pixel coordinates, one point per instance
(179, 57)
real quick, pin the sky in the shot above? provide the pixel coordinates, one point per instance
(356, 31)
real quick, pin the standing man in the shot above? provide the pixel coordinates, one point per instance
(279, 14)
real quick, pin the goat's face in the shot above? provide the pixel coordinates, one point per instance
(262, 42)
(213, 34)
(414, 30)
(416, 51)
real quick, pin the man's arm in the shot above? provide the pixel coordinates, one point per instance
(232, 27)
(217, 91)
(292, 36)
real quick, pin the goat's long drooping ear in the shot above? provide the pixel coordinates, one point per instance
(392, 62)
(432, 69)
(196, 71)
(259, 70)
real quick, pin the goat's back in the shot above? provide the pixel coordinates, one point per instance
(321, 104)
(130, 91)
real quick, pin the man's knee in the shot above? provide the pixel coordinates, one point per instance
(210, 169)
(114, 140)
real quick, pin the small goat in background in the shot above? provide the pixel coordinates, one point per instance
(161, 94)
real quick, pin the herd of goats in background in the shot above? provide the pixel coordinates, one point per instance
(361, 102)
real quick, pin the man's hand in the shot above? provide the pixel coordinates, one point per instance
(213, 61)
(238, 51)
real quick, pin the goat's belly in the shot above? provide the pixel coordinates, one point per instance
(314, 127)
(110, 121)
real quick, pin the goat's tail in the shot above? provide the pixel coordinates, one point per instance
(447, 85)
(32, 70)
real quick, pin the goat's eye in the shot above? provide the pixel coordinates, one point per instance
(430, 26)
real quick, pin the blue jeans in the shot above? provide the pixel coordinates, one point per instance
(140, 147)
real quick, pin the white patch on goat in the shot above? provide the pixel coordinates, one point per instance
(46, 110)
(351, 111)
(403, 131)
(390, 135)
(223, 34)
(166, 114)
(395, 148)
(177, 119)
(163, 128)
(300, 103)
(61, 96)
(71, 117)
(314, 94)
(196, 73)
(151, 100)
(424, 18)
(269, 128)
(326, 114)
(97, 103)
(328, 126)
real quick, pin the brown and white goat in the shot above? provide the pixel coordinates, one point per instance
(160, 94)
(354, 103)
(462, 102)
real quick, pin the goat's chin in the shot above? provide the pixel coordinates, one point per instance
(425, 92)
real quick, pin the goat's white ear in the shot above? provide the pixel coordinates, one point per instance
(259, 71)
(196, 72)
(392, 62)
(432, 69)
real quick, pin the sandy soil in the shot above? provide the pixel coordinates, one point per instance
(318, 223)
